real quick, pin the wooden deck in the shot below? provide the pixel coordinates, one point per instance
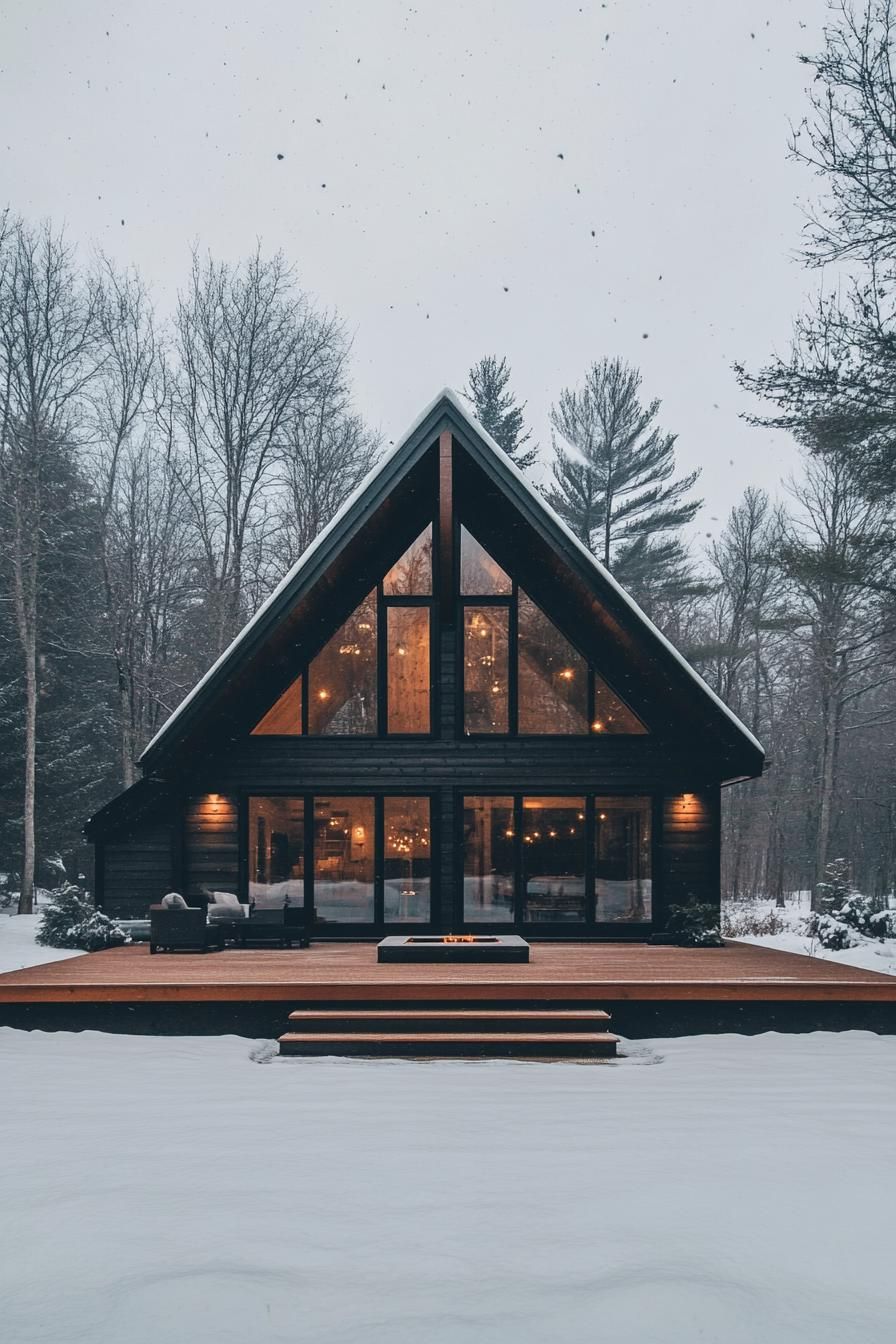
(348, 973)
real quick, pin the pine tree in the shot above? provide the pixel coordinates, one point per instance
(497, 410)
(613, 482)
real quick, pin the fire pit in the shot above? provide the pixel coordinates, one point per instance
(465, 947)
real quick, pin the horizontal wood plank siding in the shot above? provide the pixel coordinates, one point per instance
(211, 845)
(137, 869)
(691, 849)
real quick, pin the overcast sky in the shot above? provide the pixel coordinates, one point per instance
(547, 180)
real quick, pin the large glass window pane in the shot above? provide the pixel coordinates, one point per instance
(412, 574)
(480, 575)
(488, 860)
(612, 715)
(342, 678)
(343, 860)
(284, 718)
(276, 851)
(486, 689)
(553, 677)
(407, 860)
(554, 860)
(407, 669)
(622, 877)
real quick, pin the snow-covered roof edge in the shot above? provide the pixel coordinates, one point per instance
(450, 395)
(306, 556)
(462, 410)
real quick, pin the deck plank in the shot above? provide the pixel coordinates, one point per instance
(348, 972)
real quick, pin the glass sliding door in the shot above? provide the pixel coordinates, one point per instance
(553, 859)
(488, 848)
(407, 860)
(344, 849)
(276, 851)
(622, 854)
(556, 862)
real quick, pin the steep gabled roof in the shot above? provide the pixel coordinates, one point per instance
(446, 411)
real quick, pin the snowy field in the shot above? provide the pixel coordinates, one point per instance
(18, 948)
(871, 954)
(723, 1188)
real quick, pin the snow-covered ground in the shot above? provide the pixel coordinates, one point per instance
(871, 954)
(18, 948)
(740, 1191)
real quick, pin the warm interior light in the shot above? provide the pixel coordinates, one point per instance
(597, 726)
(603, 816)
(323, 695)
(567, 674)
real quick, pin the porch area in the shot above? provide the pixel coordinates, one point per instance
(648, 990)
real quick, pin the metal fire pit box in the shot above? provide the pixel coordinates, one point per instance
(467, 948)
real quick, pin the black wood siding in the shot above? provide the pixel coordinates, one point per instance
(137, 868)
(690, 848)
(211, 846)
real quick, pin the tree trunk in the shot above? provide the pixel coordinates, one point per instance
(26, 890)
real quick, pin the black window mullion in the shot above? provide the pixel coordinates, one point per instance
(382, 704)
(379, 842)
(518, 874)
(308, 804)
(513, 663)
(590, 893)
(591, 710)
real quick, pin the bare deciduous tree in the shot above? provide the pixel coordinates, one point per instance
(48, 354)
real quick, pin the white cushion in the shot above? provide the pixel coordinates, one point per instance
(224, 898)
(173, 901)
(225, 914)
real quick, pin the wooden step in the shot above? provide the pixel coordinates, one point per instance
(425, 1044)
(457, 1019)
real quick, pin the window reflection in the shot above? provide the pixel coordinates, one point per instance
(408, 669)
(407, 860)
(276, 851)
(553, 860)
(480, 575)
(612, 715)
(344, 860)
(486, 693)
(342, 678)
(622, 878)
(488, 860)
(553, 677)
(412, 574)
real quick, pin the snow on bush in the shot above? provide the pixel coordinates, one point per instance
(70, 920)
(847, 916)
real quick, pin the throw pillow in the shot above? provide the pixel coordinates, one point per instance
(174, 901)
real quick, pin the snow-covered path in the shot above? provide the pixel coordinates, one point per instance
(742, 1189)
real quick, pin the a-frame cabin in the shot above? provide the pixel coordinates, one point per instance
(447, 715)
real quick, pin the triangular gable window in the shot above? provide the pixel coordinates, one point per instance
(284, 718)
(342, 699)
(411, 575)
(612, 715)
(553, 676)
(480, 575)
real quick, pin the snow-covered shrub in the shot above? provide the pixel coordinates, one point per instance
(694, 925)
(830, 931)
(739, 923)
(846, 912)
(71, 921)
